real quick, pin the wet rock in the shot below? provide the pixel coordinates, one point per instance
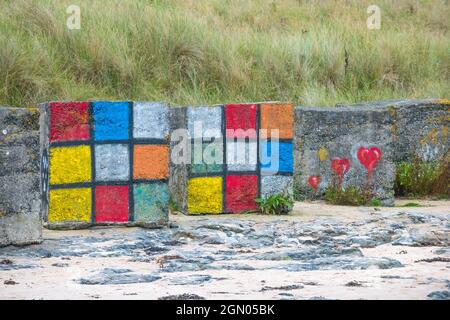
(395, 277)
(155, 250)
(225, 227)
(354, 283)
(288, 287)
(110, 276)
(6, 262)
(60, 265)
(436, 259)
(7, 267)
(341, 263)
(191, 279)
(442, 251)
(184, 296)
(439, 295)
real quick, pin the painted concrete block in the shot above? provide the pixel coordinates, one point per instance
(278, 116)
(151, 201)
(330, 143)
(151, 162)
(69, 121)
(240, 120)
(242, 156)
(151, 120)
(205, 195)
(276, 157)
(90, 169)
(208, 121)
(70, 164)
(112, 162)
(73, 204)
(272, 185)
(241, 192)
(111, 120)
(205, 163)
(111, 203)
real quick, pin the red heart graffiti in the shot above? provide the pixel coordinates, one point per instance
(369, 158)
(314, 182)
(341, 166)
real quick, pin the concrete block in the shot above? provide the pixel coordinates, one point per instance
(20, 220)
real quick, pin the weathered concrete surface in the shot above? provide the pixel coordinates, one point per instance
(151, 120)
(112, 162)
(20, 222)
(178, 173)
(318, 251)
(322, 134)
(420, 128)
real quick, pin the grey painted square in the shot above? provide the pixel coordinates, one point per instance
(150, 120)
(271, 185)
(112, 162)
(208, 118)
(241, 155)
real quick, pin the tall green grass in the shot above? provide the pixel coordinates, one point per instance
(212, 51)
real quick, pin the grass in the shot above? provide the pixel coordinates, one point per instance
(275, 204)
(419, 179)
(351, 196)
(214, 51)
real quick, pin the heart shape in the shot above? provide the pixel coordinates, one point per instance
(340, 166)
(369, 158)
(314, 182)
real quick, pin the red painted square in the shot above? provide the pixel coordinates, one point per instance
(111, 204)
(69, 121)
(240, 116)
(241, 192)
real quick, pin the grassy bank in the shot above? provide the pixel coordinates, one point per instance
(212, 51)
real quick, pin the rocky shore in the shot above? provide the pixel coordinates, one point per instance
(317, 252)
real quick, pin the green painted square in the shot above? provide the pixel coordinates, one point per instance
(203, 167)
(151, 202)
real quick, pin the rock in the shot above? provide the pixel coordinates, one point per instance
(354, 283)
(184, 296)
(287, 287)
(191, 279)
(60, 265)
(110, 276)
(439, 295)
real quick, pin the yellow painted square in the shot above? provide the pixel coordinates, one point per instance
(70, 164)
(70, 205)
(205, 195)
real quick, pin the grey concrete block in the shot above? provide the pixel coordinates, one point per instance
(20, 220)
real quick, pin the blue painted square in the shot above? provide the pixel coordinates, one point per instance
(111, 120)
(272, 161)
(151, 202)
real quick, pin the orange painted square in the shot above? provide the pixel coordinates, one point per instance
(151, 161)
(278, 116)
